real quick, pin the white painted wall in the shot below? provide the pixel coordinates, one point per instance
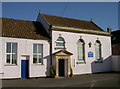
(71, 46)
(1, 73)
(115, 63)
(25, 48)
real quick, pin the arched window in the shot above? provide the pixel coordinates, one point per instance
(98, 50)
(81, 50)
(60, 42)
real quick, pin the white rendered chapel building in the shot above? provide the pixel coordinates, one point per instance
(29, 48)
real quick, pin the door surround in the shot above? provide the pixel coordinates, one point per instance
(62, 54)
(66, 67)
(25, 59)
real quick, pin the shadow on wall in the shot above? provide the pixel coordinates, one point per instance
(104, 66)
(115, 63)
(47, 65)
(40, 30)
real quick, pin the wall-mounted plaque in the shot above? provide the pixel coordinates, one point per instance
(90, 54)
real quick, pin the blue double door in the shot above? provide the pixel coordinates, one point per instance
(24, 69)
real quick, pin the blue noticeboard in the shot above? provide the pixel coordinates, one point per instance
(24, 69)
(90, 54)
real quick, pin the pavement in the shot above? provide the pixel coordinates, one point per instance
(89, 80)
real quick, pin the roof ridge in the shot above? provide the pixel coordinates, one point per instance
(16, 19)
(97, 26)
(64, 17)
(72, 23)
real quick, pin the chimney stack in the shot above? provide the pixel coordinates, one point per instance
(109, 30)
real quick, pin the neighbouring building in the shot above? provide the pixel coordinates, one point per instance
(115, 50)
(30, 47)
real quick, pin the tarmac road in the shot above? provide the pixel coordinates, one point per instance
(91, 81)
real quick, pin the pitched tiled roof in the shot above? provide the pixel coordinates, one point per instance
(23, 29)
(69, 22)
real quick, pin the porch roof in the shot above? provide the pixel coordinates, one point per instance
(63, 52)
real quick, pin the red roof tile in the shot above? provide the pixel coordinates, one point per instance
(23, 29)
(69, 22)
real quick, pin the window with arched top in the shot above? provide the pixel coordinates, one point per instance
(60, 42)
(98, 50)
(81, 50)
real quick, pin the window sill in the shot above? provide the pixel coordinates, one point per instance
(37, 64)
(2, 73)
(81, 62)
(10, 65)
(59, 48)
(98, 61)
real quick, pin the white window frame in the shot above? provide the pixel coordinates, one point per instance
(11, 54)
(38, 54)
(100, 51)
(60, 42)
(63, 42)
(83, 44)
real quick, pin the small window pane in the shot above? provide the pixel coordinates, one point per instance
(8, 49)
(40, 48)
(14, 59)
(60, 39)
(98, 51)
(8, 58)
(59, 44)
(14, 47)
(37, 53)
(80, 50)
(34, 58)
(34, 48)
(39, 58)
